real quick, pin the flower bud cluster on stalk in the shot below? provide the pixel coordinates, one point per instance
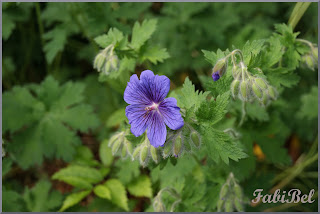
(119, 142)
(231, 196)
(310, 59)
(245, 86)
(159, 206)
(106, 61)
(181, 141)
(144, 152)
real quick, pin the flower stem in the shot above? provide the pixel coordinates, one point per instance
(298, 11)
(243, 113)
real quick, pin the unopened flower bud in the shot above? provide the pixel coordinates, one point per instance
(256, 90)
(143, 155)
(224, 191)
(195, 138)
(220, 205)
(309, 61)
(228, 206)
(114, 63)
(116, 146)
(124, 151)
(261, 83)
(315, 53)
(136, 152)
(129, 148)
(265, 98)
(154, 154)
(98, 61)
(238, 205)
(237, 191)
(235, 87)
(177, 146)
(272, 92)
(167, 149)
(244, 89)
(219, 69)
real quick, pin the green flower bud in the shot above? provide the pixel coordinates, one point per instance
(315, 53)
(237, 191)
(256, 90)
(220, 66)
(177, 146)
(272, 92)
(261, 83)
(98, 61)
(143, 155)
(195, 138)
(265, 98)
(235, 87)
(129, 148)
(167, 149)
(113, 139)
(107, 67)
(136, 152)
(224, 191)
(220, 205)
(310, 61)
(124, 151)
(238, 205)
(244, 89)
(116, 146)
(114, 62)
(154, 154)
(228, 206)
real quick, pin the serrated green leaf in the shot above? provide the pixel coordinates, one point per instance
(40, 199)
(118, 193)
(140, 187)
(190, 97)
(102, 191)
(154, 54)
(220, 145)
(12, 201)
(128, 170)
(213, 57)
(79, 176)
(309, 107)
(73, 199)
(252, 49)
(142, 32)
(213, 111)
(114, 36)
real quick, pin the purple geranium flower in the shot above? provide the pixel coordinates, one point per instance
(149, 109)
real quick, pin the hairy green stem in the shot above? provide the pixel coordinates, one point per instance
(298, 11)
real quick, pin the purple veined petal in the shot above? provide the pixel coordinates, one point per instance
(171, 113)
(157, 87)
(215, 76)
(134, 92)
(157, 131)
(138, 118)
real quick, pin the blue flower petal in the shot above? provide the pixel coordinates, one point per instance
(171, 113)
(157, 131)
(138, 118)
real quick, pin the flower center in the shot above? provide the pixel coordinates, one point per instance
(154, 106)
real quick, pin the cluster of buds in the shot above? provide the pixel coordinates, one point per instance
(159, 206)
(310, 59)
(247, 87)
(106, 61)
(181, 141)
(230, 198)
(119, 142)
(144, 152)
(219, 69)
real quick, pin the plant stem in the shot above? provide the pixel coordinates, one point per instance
(243, 113)
(298, 11)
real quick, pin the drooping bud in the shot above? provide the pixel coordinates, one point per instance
(154, 154)
(237, 191)
(144, 155)
(167, 149)
(238, 205)
(98, 61)
(220, 205)
(224, 191)
(116, 146)
(114, 63)
(124, 151)
(177, 148)
(315, 53)
(265, 98)
(244, 90)
(219, 69)
(272, 92)
(195, 138)
(256, 90)
(228, 205)
(261, 83)
(136, 152)
(235, 87)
